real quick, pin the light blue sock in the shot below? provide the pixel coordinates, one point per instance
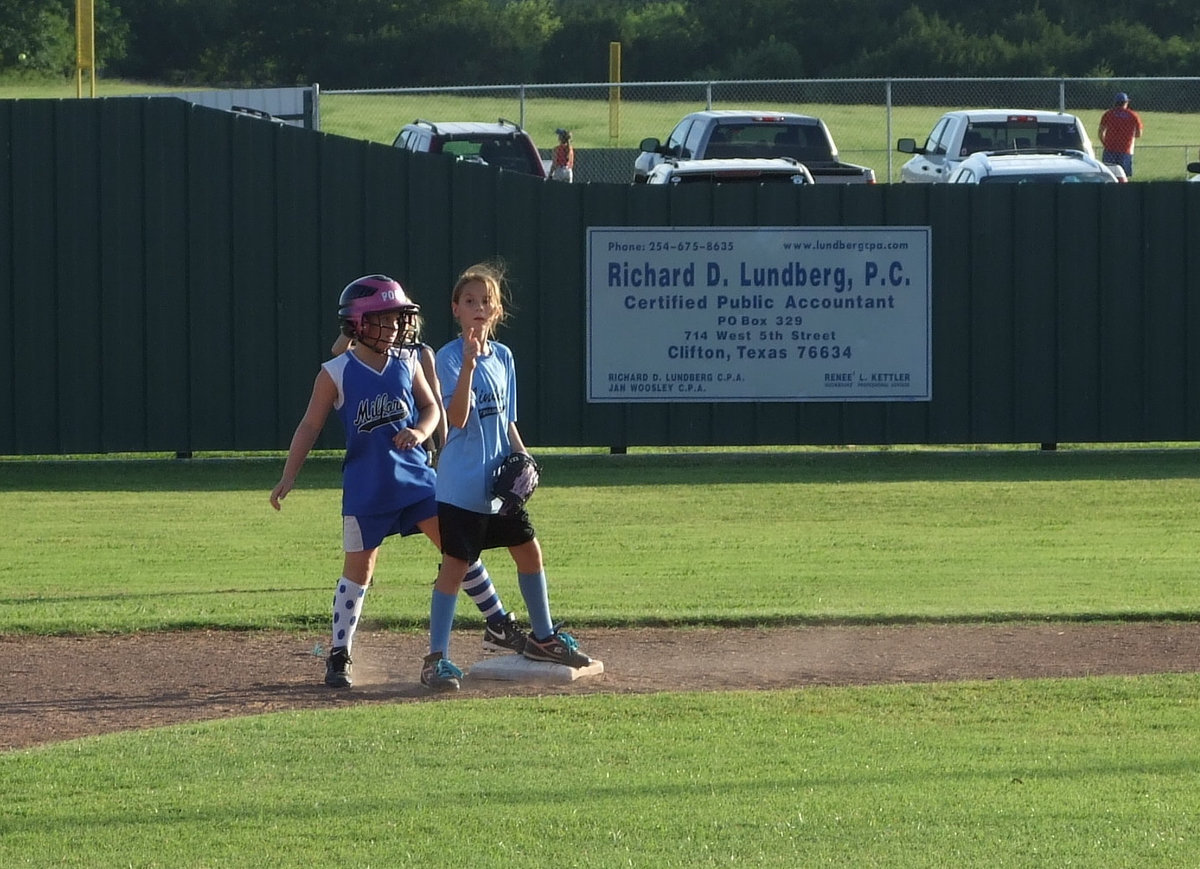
(537, 602)
(441, 620)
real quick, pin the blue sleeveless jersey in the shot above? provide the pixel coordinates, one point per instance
(471, 455)
(373, 406)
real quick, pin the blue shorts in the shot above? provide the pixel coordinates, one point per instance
(1125, 161)
(360, 533)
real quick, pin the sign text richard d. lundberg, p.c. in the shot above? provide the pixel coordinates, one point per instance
(772, 313)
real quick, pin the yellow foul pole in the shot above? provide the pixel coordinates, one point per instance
(85, 45)
(614, 93)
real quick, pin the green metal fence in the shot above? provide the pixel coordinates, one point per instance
(169, 276)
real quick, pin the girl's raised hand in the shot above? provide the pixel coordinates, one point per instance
(472, 343)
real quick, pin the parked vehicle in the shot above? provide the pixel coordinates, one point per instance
(504, 144)
(261, 114)
(750, 170)
(1039, 166)
(752, 134)
(957, 135)
(1194, 168)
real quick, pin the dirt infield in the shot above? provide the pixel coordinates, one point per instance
(60, 688)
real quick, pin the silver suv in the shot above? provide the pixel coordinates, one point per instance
(504, 144)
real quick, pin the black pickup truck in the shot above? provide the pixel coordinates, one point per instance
(725, 133)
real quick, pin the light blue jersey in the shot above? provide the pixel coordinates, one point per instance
(469, 460)
(373, 406)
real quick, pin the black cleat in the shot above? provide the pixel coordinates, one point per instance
(504, 636)
(559, 648)
(337, 668)
(439, 674)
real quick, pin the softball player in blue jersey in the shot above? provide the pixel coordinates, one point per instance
(479, 387)
(379, 392)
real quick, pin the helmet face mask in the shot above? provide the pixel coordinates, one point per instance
(388, 331)
(376, 295)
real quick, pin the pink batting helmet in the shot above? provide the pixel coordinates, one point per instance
(370, 294)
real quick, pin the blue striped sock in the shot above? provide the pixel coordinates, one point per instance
(478, 586)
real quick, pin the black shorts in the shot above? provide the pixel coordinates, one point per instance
(465, 533)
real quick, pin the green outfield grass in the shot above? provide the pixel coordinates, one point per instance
(28, 88)
(765, 538)
(1091, 772)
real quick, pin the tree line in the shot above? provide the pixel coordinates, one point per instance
(399, 43)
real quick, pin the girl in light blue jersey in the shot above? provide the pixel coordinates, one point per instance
(479, 387)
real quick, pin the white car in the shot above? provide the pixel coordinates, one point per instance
(957, 135)
(747, 170)
(1194, 168)
(1045, 166)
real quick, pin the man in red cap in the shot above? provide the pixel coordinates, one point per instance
(1119, 126)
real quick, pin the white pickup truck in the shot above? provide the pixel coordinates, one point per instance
(960, 134)
(726, 134)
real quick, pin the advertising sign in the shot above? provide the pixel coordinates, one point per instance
(758, 314)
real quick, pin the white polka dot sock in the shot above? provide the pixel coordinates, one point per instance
(347, 607)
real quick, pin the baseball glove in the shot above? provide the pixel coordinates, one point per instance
(516, 479)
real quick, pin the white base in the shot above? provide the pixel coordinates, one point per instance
(517, 668)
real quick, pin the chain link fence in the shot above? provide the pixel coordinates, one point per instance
(865, 116)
